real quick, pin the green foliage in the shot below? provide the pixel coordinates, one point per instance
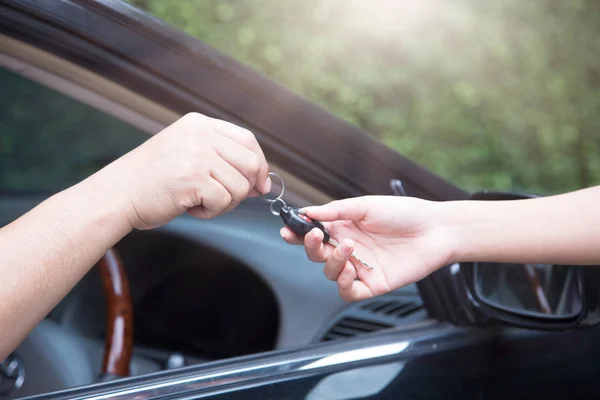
(497, 95)
(491, 95)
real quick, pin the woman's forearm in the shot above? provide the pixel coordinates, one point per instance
(47, 251)
(562, 229)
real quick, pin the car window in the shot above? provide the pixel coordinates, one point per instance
(49, 141)
(490, 95)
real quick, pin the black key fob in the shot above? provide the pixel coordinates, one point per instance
(300, 223)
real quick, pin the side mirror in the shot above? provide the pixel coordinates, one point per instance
(536, 296)
(551, 291)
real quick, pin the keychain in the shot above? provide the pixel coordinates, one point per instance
(297, 221)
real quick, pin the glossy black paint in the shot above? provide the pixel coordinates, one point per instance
(542, 307)
(284, 366)
(431, 361)
(485, 314)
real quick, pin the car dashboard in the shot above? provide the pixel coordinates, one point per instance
(202, 290)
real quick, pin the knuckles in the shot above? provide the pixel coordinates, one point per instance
(224, 201)
(193, 170)
(246, 137)
(187, 156)
(253, 163)
(193, 118)
(241, 190)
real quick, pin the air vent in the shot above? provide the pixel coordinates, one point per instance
(392, 308)
(348, 327)
(374, 315)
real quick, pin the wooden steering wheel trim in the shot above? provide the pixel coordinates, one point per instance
(118, 347)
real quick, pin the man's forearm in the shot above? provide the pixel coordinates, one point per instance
(562, 229)
(200, 165)
(47, 251)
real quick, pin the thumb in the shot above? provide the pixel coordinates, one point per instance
(351, 209)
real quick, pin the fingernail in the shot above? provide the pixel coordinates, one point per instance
(315, 242)
(268, 185)
(347, 247)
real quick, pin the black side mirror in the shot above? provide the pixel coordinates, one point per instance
(551, 291)
(537, 296)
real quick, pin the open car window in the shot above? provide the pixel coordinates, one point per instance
(50, 141)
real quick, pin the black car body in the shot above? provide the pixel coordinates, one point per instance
(252, 316)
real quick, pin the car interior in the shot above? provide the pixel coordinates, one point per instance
(201, 290)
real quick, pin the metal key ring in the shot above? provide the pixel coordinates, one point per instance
(272, 206)
(273, 200)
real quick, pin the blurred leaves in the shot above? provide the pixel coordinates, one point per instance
(491, 95)
(497, 95)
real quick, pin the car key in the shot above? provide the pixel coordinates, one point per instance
(301, 224)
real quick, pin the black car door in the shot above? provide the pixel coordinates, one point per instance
(431, 361)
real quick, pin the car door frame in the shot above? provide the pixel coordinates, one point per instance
(395, 348)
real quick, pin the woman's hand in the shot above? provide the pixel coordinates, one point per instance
(398, 236)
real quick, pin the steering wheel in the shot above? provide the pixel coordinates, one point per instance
(118, 346)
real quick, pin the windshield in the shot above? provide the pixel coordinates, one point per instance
(490, 95)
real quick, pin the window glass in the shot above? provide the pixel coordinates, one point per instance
(495, 95)
(49, 141)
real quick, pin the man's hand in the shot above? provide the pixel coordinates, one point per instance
(397, 236)
(198, 164)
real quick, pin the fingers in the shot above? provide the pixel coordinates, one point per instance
(213, 199)
(352, 209)
(338, 266)
(247, 139)
(338, 259)
(351, 289)
(240, 158)
(335, 258)
(346, 279)
(316, 250)
(289, 236)
(231, 179)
